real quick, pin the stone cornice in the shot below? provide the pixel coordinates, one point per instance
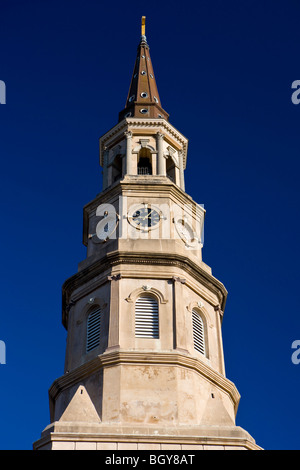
(118, 258)
(138, 124)
(156, 183)
(115, 358)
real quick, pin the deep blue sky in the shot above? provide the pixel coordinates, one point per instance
(224, 71)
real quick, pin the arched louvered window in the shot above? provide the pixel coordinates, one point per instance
(146, 317)
(93, 329)
(198, 333)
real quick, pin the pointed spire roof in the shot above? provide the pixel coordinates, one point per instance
(143, 99)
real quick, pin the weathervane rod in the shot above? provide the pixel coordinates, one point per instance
(143, 26)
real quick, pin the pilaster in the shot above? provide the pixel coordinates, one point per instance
(179, 319)
(114, 313)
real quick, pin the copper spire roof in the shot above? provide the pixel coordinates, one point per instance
(143, 99)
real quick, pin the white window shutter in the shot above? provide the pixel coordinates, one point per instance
(146, 318)
(93, 329)
(198, 332)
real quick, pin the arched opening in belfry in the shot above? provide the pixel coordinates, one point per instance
(170, 168)
(117, 168)
(144, 166)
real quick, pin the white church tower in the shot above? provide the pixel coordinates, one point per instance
(144, 365)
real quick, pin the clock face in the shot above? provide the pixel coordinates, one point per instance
(145, 218)
(105, 228)
(185, 231)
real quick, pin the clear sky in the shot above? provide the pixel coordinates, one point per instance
(224, 71)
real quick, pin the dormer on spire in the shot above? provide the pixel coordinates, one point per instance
(143, 99)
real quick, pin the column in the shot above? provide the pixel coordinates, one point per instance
(161, 170)
(128, 135)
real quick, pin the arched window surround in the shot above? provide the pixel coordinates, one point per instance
(145, 291)
(148, 289)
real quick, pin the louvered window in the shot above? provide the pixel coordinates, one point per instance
(93, 329)
(198, 332)
(146, 318)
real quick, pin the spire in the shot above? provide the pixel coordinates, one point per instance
(143, 99)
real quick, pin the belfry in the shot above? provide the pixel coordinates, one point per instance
(144, 364)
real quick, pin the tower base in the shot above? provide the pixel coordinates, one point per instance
(80, 436)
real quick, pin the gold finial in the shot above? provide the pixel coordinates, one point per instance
(143, 27)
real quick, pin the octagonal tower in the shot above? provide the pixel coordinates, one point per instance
(144, 366)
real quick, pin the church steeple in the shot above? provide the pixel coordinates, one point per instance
(143, 98)
(144, 363)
